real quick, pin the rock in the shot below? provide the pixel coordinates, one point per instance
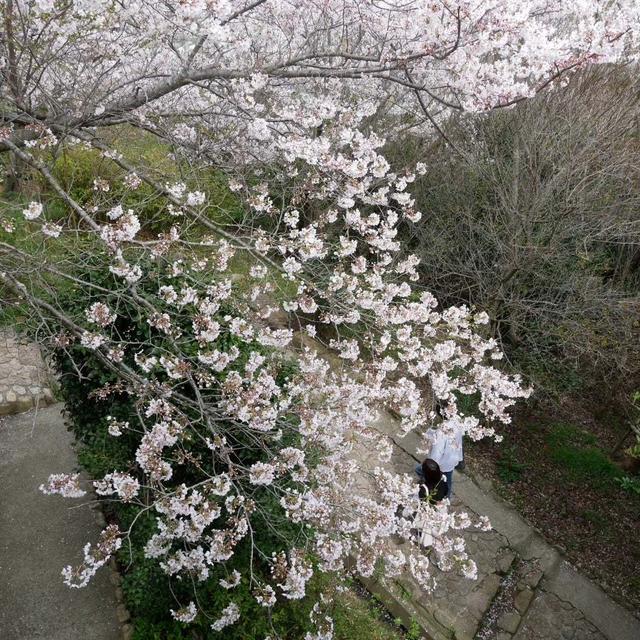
(20, 390)
(478, 601)
(123, 614)
(509, 621)
(505, 560)
(127, 632)
(24, 403)
(523, 600)
(533, 578)
(11, 396)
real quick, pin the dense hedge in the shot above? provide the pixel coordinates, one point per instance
(150, 593)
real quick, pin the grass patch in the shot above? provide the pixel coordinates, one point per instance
(578, 458)
(358, 618)
(509, 468)
(599, 521)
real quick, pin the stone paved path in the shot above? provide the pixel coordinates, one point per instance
(525, 589)
(41, 534)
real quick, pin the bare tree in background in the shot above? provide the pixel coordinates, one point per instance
(534, 218)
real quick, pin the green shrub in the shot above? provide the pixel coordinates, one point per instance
(149, 593)
(77, 168)
(357, 618)
(632, 485)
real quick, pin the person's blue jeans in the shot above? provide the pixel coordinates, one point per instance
(448, 476)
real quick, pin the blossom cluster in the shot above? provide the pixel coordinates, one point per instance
(94, 557)
(209, 372)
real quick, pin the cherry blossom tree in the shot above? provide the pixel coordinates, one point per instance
(289, 101)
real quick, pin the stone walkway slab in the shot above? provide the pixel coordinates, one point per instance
(551, 618)
(39, 535)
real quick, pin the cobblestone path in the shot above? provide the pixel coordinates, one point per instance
(525, 589)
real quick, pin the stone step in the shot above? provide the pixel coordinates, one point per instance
(512, 600)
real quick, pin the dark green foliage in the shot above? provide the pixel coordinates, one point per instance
(76, 169)
(632, 485)
(468, 404)
(509, 468)
(150, 593)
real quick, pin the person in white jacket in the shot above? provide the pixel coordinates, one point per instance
(446, 450)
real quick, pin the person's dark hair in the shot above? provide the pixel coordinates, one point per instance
(431, 472)
(433, 481)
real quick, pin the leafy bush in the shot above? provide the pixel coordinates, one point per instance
(78, 168)
(632, 485)
(149, 592)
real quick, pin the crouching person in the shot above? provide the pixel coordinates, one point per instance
(433, 483)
